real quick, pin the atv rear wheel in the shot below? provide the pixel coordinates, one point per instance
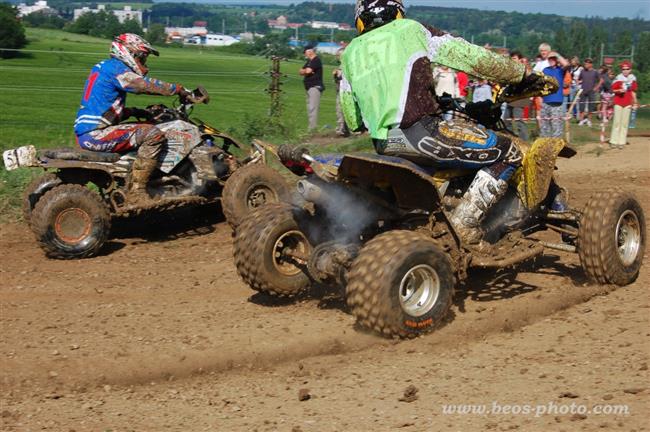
(612, 237)
(249, 187)
(70, 221)
(271, 251)
(35, 190)
(400, 285)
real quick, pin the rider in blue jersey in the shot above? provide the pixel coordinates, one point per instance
(102, 108)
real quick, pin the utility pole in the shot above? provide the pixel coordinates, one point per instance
(297, 39)
(505, 41)
(602, 53)
(274, 87)
(223, 26)
(331, 35)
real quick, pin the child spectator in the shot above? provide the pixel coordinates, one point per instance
(552, 121)
(624, 88)
(576, 69)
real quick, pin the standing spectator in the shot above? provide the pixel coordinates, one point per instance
(624, 88)
(341, 126)
(482, 92)
(541, 63)
(515, 110)
(463, 83)
(605, 108)
(313, 73)
(575, 69)
(590, 81)
(552, 115)
(445, 82)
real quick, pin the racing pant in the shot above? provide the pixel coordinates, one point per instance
(146, 138)
(458, 144)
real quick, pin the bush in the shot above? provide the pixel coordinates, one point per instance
(44, 20)
(12, 33)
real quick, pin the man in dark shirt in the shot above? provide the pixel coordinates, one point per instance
(313, 73)
(590, 80)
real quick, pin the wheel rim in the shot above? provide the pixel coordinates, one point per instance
(258, 195)
(628, 237)
(419, 290)
(285, 249)
(72, 225)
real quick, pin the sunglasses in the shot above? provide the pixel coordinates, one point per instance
(625, 69)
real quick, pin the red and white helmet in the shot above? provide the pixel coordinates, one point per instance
(132, 50)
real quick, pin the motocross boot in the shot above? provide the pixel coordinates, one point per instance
(137, 190)
(482, 194)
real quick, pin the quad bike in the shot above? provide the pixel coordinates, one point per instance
(72, 220)
(379, 228)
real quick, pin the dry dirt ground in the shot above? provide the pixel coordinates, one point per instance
(159, 333)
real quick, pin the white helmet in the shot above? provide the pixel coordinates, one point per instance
(132, 50)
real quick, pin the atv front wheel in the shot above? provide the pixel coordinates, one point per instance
(249, 187)
(35, 190)
(612, 237)
(70, 221)
(271, 251)
(400, 285)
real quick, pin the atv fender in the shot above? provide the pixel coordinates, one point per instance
(413, 186)
(534, 176)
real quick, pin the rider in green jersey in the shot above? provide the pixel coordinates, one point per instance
(386, 88)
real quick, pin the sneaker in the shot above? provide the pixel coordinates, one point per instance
(582, 122)
(589, 123)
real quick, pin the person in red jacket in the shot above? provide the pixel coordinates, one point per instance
(624, 88)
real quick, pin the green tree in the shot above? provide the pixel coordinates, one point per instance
(156, 34)
(579, 42)
(12, 33)
(623, 43)
(562, 43)
(642, 53)
(44, 20)
(131, 26)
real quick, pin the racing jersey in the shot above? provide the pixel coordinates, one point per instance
(104, 95)
(387, 78)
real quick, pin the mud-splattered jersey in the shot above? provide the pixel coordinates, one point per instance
(104, 95)
(387, 77)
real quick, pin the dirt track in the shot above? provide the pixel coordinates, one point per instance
(160, 333)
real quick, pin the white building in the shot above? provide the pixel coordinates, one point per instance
(181, 33)
(122, 15)
(39, 6)
(213, 40)
(323, 25)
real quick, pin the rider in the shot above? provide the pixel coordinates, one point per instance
(386, 88)
(102, 108)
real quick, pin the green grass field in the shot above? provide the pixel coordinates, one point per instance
(41, 88)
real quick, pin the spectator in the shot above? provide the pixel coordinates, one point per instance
(463, 84)
(313, 73)
(515, 110)
(552, 114)
(605, 110)
(341, 126)
(445, 82)
(590, 81)
(575, 69)
(624, 88)
(541, 63)
(482, 92)
(542, 60)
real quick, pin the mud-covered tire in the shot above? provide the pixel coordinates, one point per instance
(249, 187)
(259, 237)
(612, 238)
(71, 221)
(376, 291)
(33, 193)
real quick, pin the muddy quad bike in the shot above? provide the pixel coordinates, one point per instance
(72, 220)
(379, 227)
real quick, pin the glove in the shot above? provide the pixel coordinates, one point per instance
(287, 153)
(533, 85)
(187, 96)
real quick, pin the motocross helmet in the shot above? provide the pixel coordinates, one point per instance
(371, 14)
(132, 50)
